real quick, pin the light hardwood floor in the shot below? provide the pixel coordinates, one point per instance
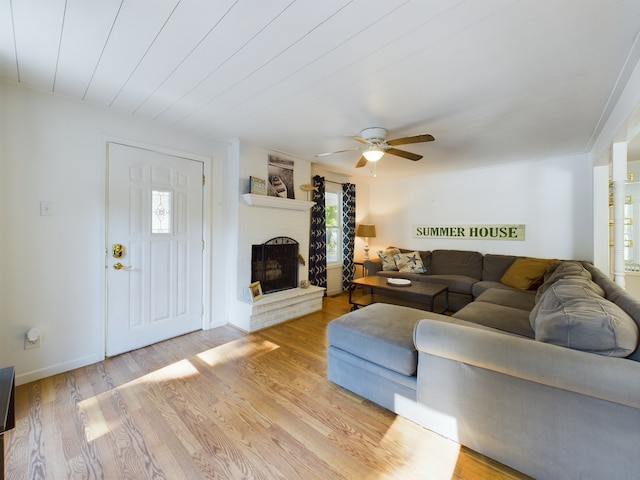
(225, 405)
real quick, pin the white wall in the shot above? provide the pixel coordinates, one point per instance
(52, 267)
(553, 198)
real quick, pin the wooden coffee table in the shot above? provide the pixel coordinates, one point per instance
(420, 295)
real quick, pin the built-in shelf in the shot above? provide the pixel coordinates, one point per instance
(276, 202)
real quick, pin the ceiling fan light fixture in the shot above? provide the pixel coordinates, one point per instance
(373, 154)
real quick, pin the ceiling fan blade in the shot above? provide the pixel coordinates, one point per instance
(360, 139)
(401, 153)
(415, 139)
(337, 151)
(361, 163)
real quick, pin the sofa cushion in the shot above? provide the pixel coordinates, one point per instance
(526, 273)
(379, 333)
(507, 319)
(520, 299)
(572, 315)
(494, 266)
(409, 262)
(483, 285)
(387, 257)
(456, 262)
(579, 282)
(620, 296)
(565, 269)
(456, 283)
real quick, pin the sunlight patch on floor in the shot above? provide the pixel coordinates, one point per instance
(238, 349)
(96, 425)
(433, 456)
(426, 454)
(175, 371)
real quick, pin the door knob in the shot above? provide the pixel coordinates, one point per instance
(119, 266)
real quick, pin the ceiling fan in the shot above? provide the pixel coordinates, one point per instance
(376, 145)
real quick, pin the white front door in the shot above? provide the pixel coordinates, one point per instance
(154, 286)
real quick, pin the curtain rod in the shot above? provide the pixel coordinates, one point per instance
(337, 183)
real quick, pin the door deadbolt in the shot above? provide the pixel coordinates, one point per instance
(117, 250)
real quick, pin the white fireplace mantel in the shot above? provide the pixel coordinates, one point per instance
(276, 202)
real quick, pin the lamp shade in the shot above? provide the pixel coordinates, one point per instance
(366, 230)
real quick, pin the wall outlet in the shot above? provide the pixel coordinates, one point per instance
(28, 345)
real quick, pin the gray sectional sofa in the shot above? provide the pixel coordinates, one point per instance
(545, 380)
(466, 273)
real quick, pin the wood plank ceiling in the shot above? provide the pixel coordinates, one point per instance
(494, 80)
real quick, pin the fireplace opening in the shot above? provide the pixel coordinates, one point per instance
(275, 264)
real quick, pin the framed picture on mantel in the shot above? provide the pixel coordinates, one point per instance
(280, 177)
(255, 290)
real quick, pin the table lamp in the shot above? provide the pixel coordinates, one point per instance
(367, 231)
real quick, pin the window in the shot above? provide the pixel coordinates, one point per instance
(333, 218)
(161, 219)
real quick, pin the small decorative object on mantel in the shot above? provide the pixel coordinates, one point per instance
(255, 290)
(304, 283)
(398, 282)
(258, 186)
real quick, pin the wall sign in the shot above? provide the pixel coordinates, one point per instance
(470, 232)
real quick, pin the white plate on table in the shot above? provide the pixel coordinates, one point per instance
(399, 282)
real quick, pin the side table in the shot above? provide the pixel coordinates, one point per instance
(359, 263)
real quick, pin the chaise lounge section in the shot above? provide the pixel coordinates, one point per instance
(545, 380)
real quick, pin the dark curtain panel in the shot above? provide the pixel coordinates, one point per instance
(318, 237)
(348, 232)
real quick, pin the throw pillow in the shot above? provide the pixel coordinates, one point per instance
(409, 262)
(572, 315)
(576, 281)
(566, 269)
(526, 273)
(387, 258)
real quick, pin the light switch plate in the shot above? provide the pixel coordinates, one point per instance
(46, 209)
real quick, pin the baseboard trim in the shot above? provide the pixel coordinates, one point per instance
(34, 375)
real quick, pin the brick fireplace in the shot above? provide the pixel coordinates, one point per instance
(268, 226)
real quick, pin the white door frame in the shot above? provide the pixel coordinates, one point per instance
(103, 237)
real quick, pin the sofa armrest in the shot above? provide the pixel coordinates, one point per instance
(607, 378)
(372, 266)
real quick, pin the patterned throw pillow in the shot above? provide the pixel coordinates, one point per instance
(410, 262)
(387, 258)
